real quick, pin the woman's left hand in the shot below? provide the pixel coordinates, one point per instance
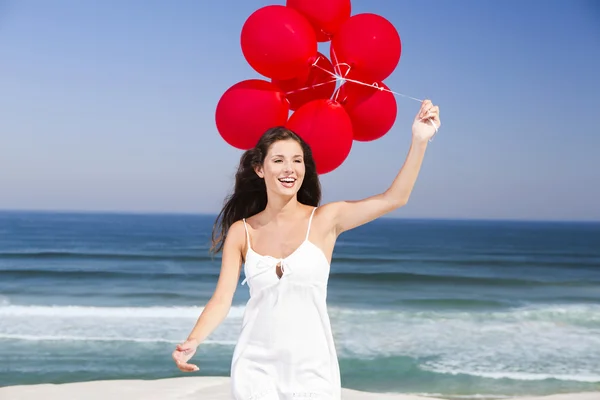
(427, 121)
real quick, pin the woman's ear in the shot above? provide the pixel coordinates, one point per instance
(259, 172)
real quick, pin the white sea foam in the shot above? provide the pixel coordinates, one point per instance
(527, 343)
(109, 312)
(60, 338)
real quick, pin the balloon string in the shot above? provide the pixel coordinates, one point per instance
(336, 64)
(337, 70)
(343, 79)
(312, 86)
(337, 75)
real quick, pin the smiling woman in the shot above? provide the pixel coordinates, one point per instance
(280, 153)
(273, 226)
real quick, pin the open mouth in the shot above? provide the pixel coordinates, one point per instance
(287, 182)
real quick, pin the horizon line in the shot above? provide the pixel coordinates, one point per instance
(198, 213)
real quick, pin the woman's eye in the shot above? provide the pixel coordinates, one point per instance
(278, 161)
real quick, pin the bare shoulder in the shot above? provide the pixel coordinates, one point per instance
(237, 227)
(236, 236)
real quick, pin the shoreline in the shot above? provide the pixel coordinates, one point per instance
(192, 388)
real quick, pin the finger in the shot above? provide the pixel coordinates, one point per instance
(422, 108)
(435, 121)
(431, 117)
(435, 113)
(435, 110)
(423, 104)
(435, 126)
(191, 368)
(431, 113)
(427, 105)
(188, 367)
(183, 365)
(428, 115)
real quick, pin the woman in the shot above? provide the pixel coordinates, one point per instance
(271, 225)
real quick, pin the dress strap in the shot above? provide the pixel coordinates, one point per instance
(309, 222)
(247, 233)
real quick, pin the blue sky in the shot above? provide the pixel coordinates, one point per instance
(109, 106)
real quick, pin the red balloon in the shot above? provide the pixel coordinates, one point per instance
(247, 109)
(372, 111)
(278, 42)
(326, 16)
(320, 83)
(370, 44)
(326, 127)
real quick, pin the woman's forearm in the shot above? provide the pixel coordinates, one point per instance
(402, 187)
(213, 314)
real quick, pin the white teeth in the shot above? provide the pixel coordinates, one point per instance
(288, 180)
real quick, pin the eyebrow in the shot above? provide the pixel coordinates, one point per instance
(281, 155)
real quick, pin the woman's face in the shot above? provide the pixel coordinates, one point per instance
(283, 168)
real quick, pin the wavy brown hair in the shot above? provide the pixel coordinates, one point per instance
(249, 195)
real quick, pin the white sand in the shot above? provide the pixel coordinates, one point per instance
(192, 388)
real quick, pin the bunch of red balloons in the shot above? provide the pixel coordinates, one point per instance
(333, 103)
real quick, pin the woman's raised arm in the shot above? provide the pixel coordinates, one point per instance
(346, 215)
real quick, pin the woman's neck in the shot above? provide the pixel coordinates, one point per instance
(281, 210)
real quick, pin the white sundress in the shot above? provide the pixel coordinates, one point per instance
(286, 350)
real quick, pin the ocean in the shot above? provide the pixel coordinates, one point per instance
(455, 309)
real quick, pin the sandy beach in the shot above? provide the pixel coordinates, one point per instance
(193, 388)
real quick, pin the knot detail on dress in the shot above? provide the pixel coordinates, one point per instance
(268, 263)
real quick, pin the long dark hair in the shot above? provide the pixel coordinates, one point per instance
(249, 196)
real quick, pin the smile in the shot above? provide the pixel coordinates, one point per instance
(287, 182)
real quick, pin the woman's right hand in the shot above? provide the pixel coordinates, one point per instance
(183, 352)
